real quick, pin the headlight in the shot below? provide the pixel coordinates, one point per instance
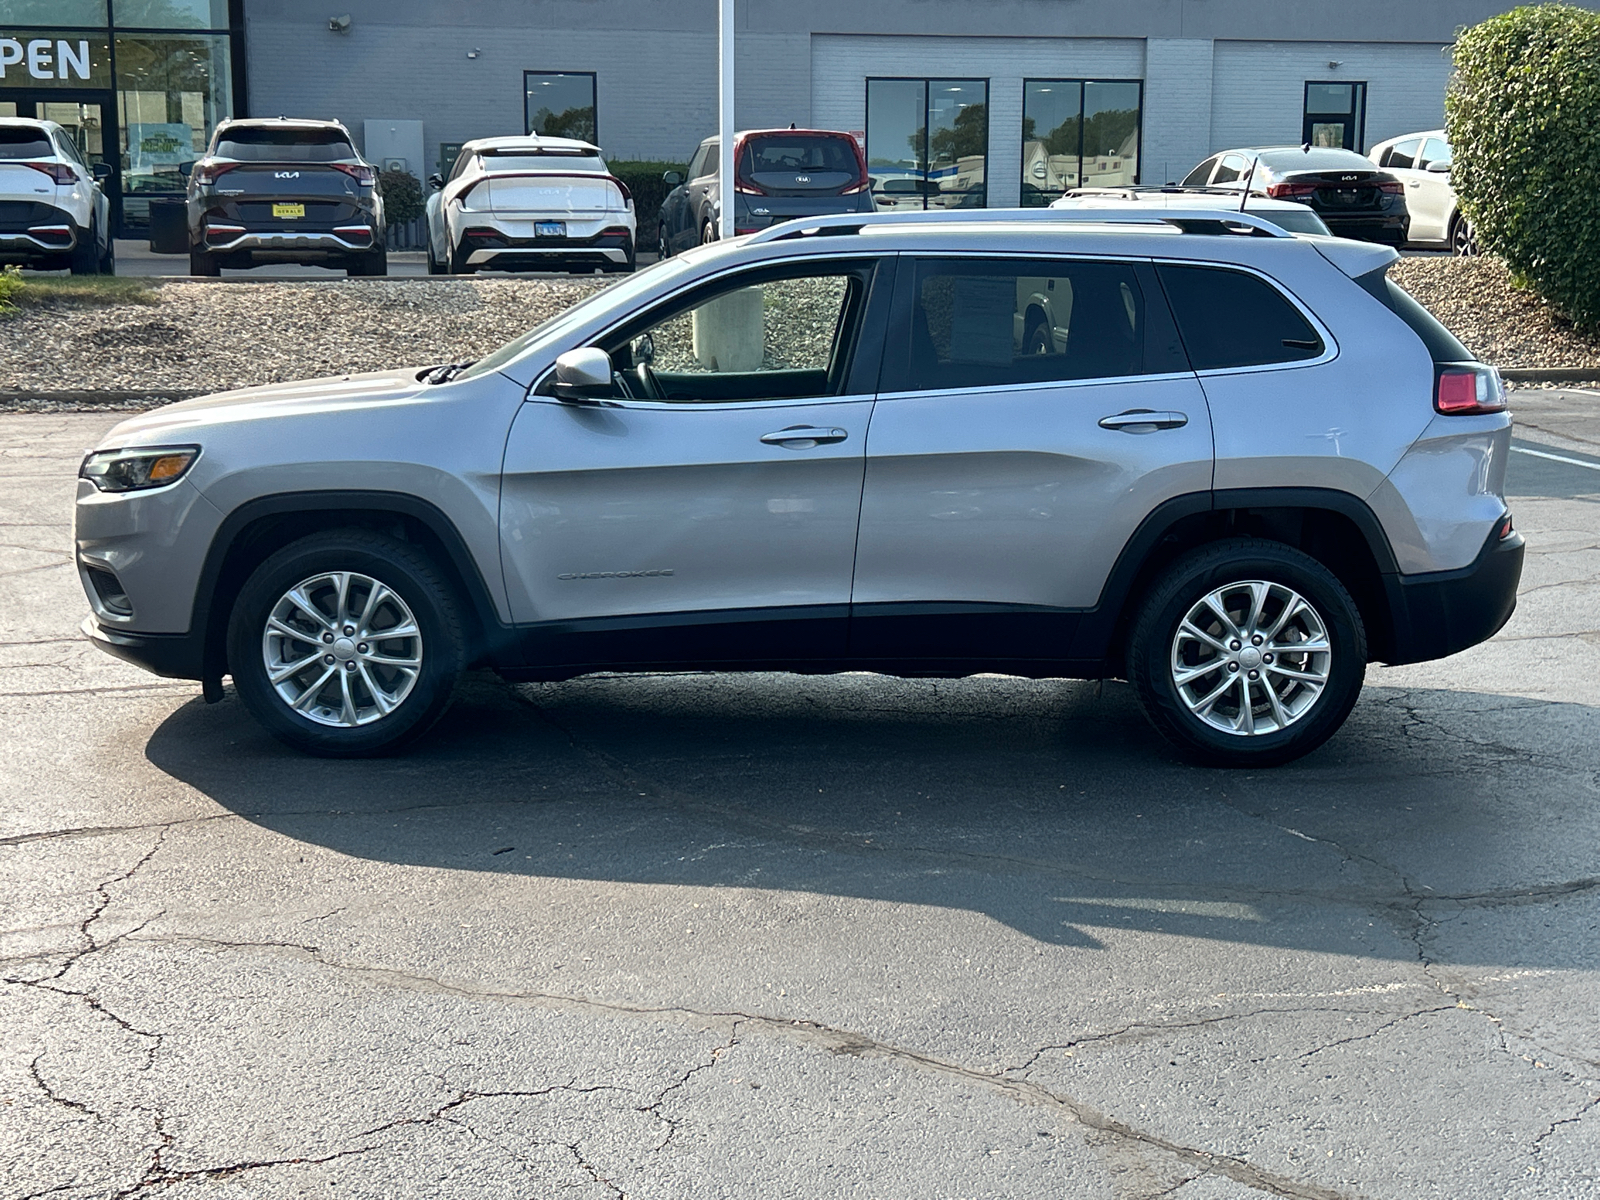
(131, 470)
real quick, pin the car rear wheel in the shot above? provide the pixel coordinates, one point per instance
(435, 267)
(201, 263)
(86, 254)
(346, 644)
(1463, 241)
(708, 233)
(108, 260)
(375, 262)
(663, 250)
(1247, 653)
(458, 262)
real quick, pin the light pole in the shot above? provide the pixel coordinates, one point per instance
(725, 118)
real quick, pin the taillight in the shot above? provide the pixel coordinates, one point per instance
(206, 175)
(1467, 390)
(1290, 191)
(747, 188)
(60, 172)
(361, 174)
(627, 196)
(1393, 186)
(855, 188)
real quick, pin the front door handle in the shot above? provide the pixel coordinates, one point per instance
(1143, 420)
(803, 437)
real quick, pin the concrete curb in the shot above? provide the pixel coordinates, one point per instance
(1550, 374)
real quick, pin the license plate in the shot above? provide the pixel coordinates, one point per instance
(549, 229)
(289, 211)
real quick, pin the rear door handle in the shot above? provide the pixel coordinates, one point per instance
(803, 437)
(1143, 420)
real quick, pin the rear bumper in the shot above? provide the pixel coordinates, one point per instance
(173, 655)
(1389, 230)
(228, 241)
(493, 248)
(1444, 612)
(39, 238)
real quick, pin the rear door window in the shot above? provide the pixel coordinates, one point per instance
(1233, 166)
(1231, 319)
(1001, 322)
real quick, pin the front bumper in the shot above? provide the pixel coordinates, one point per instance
(173, 655)
(1443, 612)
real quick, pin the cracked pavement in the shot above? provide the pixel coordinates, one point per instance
(716, 936)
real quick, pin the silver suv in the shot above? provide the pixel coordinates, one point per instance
(1230, 465)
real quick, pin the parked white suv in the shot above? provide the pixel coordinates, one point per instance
(1422, 162)
(1233, 471)
(53, 212)
(530, 204)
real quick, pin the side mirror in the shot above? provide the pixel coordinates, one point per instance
(102, 171)
(1437, 168)
(583, 375)
(436, 181)
(186, 169)
(643, 348)
(672, 178)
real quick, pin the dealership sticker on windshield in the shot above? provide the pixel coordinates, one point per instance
(290, 211)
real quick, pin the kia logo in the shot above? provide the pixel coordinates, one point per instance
(802, 179)
(286, 174)
(1349, 178)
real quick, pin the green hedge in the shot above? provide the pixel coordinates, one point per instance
(644, 181)
(1523, 117)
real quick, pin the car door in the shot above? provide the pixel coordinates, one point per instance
(676, 217)
(705, 511)
(1435, 198)
(1400, 160)
(1006, 472)
(701, 192)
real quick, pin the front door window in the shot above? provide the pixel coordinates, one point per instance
(1335, 115)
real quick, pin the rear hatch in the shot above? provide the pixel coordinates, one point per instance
(291, 195)
(550, 192)
(800, 165)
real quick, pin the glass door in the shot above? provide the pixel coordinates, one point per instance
(88, 118)
(928, 142)
(1335, 115)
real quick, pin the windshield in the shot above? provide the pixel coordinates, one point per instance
(1304, 221)
(285, 145)
(618, 294)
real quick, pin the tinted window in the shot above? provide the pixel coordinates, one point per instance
(1200, 175)
(1404, 154)
(285, 145)
(1301, 221)
(503, 161)
(19, 141)
(788, 153)
(997, 323)
(703, 164)
(1230, 319)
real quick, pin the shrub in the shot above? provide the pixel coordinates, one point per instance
(1522, 112)
(643, 179)
(402, 197)
(10, 285)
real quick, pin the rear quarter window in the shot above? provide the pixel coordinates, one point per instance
(1228, 318)
(1441, 343)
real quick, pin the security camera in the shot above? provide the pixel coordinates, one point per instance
(339, 24)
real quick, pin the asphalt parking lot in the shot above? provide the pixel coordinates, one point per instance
(772, 936)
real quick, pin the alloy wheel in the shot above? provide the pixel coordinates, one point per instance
(342, 649)
(1251, 658)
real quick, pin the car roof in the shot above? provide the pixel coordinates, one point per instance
(1402, 137)
(280, 123)
(29, 123)
(1280, 158)
(529, 141)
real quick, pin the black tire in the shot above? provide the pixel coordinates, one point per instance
(85, 258)
(1038, 340)
(458, 264)
(374, 262)
(435, 267)
(663, 248)
(108, 260)
(1153, 646)
(1463, 242)
(420, 586)
(203, 264)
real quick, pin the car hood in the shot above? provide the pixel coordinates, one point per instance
(175, 422)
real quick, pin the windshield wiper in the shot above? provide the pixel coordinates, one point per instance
(446, 372)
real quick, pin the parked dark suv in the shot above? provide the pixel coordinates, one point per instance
(273, 191)
(779, 174)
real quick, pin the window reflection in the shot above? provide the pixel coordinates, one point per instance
(171, 92)
(928, 142)
(560, 103)
(52, 12)
(1078, 133)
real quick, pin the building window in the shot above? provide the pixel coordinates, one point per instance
(928, 142)
(560, 104)
(1336, 115)
(1078, 133)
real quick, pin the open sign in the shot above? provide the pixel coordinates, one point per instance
(71, 61)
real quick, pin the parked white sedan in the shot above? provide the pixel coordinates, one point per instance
(1422, 162)
(529, 204)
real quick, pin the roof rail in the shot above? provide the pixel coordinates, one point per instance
(1197, 220)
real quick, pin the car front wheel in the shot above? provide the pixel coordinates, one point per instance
(1247, 653)
(1463, 241)
(346, 644)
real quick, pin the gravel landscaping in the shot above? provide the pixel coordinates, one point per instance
(204, 337)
